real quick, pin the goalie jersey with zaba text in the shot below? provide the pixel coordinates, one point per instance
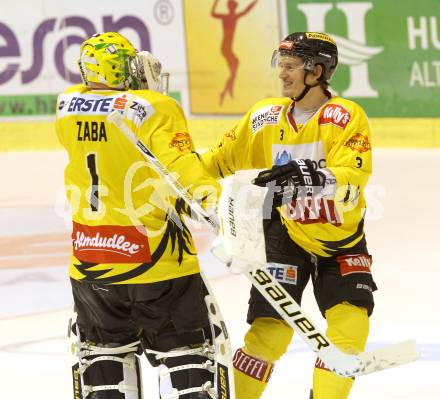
(337, 137)
(127, 223)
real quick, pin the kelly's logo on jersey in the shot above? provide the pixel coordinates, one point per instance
(269, 115)
(110, 244)
(349, 264)
(334, 114)
(182, 141)
(358, 143)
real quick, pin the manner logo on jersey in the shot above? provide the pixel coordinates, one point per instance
(359, 143)
(334, 114)
(268, 115)
(110, 244)
(349, 264)
(283, 273)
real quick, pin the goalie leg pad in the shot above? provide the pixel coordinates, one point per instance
(110, 371)
(348, 328)
(104, 377)
(186, 364)
(191, 376)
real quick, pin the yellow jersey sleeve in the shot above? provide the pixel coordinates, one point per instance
(349, 156)
(240, 148)
(168, 138)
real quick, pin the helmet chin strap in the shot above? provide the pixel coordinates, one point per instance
(306, 88)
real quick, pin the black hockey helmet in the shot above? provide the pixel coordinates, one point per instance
(313, 47)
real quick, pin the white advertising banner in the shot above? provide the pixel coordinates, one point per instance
(39, 39)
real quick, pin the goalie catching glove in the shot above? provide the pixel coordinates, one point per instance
(241, 242)
(296, 179)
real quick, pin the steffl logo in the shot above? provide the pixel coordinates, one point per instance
(353, 51)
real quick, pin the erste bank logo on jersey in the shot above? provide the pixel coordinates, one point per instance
(136, 108)
(353, 51)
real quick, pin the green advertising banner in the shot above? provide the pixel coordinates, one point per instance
(389, 58)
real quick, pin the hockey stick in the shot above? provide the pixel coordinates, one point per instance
(242, 238)
(335, 360)
(224, 384)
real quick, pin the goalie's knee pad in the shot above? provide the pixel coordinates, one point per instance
(105, 371)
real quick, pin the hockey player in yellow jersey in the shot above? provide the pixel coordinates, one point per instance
(134, 270)
(315, 150)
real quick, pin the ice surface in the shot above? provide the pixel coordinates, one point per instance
(35, 300)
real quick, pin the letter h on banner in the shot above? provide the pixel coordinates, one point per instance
(315, 13)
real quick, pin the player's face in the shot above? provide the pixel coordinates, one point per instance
(291, 73)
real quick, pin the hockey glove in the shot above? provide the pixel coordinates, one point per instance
(296, 179)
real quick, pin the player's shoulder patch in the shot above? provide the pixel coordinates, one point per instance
(358, 142)
(138, 108)
(336, 114)
(267, 112)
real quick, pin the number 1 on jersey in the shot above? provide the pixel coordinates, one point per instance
(94, 195)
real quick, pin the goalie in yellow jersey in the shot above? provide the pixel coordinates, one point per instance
(134, 270)
(315, 150)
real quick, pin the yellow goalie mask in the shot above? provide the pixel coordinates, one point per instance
(105, 58)
(110, 59)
